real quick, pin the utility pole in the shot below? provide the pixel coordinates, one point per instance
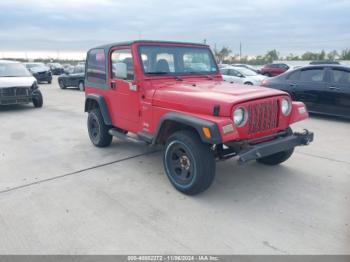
(240, 51)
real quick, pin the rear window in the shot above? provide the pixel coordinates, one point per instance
(96, 66)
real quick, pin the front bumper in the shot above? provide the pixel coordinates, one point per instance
(16, 95)
(253, 152)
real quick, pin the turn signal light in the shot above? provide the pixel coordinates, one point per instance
(206, 132)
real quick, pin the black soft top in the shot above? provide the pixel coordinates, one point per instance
(109, 46)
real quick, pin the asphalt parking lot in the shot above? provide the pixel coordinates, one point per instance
(61, 195)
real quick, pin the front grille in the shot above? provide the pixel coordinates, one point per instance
(14, 91)
(263, 116)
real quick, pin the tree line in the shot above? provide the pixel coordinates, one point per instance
(224, 56)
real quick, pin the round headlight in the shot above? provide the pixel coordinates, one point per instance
(239, 116)
(285, 106)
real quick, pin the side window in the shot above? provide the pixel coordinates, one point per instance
(224, 71)
(312, 75)
(234, 73)
(123, 56)
(341, 76)
(96, 67)
(294, 76)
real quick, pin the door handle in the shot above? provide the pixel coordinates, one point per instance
(334, 88)
(293, 85)
(113, 85)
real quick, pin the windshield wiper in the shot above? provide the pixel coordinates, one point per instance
(198, 73)
(165, 73)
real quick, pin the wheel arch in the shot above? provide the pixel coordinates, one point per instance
(96, 101)
(173, 122)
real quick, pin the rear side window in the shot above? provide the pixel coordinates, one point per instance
(294, 76)
(341, 76)
(96, 66)
(312, 75)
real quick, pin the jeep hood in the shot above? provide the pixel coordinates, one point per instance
(16, 81)
(201, 97)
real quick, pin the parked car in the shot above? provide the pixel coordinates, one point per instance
(325, 89)
(56, 68)
(241, 75)
(74, 77)
(258, 71)
(134, 94)
(17, 85)
(67, 67)
(274, 69)
(223, 65)
(41, 72)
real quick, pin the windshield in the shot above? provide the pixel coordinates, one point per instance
(246, 71)
(13, 70)
(176, 60)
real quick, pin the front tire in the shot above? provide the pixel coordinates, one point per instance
(81, 86)
(61, 84)
(98, 130)
(38, 100)
(188, 163)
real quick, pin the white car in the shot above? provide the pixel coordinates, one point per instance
(17, 85)
(241, 75)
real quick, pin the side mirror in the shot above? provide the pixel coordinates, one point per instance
(240, 75)
(120, 70)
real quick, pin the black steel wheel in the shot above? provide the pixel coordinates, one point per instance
(188, 162)
(98, 130)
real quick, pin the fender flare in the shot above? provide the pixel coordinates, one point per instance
(102, 105)
(193, 122)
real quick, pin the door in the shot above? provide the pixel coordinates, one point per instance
(339, 90)
(309, 88)
(125, 98)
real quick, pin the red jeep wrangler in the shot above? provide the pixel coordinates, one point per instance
(172, 94)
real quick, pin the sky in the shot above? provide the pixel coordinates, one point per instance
(67, 29)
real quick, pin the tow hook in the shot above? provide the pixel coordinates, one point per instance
(306, 137)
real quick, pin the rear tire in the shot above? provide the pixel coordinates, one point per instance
(188, 163)
(38, 100)
(248, 83)
(279, 157)
(98, 130)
